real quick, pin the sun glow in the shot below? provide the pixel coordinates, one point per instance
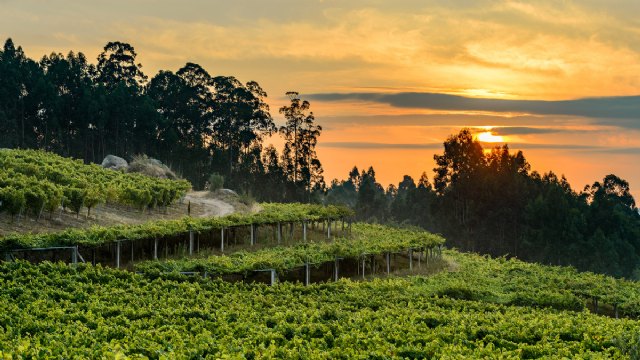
(488, 137)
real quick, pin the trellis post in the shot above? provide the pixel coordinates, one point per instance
(304, 230)
(74, 255)
(363, 261)
(253, 234)
(222, 239)
(190, 241)
(279, 232)
(335, 269)
(307, 274)
(273, 277)
(410, 259)
(329, 229)
(155, 249)
(388, 255)
(118, 254)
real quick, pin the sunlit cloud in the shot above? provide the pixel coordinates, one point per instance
(622, 107)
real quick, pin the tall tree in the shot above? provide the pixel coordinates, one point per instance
(301, 136)
(458, 171)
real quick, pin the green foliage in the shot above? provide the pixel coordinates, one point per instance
(96, 235)
(57, 311)
(216, 182)
(13, 200)
(75, 198)
(514, 282)
(45, 179)
(367, 239)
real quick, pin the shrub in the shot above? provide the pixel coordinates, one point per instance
(216, 182)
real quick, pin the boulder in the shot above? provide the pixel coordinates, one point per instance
(151, 167)
(114, 163)
(228, 192)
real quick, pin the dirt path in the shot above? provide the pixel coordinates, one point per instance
(202, 204)
(210, 206)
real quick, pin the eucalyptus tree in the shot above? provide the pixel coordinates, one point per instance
(242, 118)
(301, 137)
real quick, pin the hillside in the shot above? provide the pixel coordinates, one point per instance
(136, 278)
(53, 310)
(44, 192)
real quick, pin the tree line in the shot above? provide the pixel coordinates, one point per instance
(196, 123)
(199, 124)
(492, 203)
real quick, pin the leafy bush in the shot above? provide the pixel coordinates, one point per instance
(216, 182)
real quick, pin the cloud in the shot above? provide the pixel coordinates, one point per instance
(374, 145)
(513, 146)
(617, 107)
(525, 130)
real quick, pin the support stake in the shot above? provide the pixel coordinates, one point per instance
(410, 259)
(222, 240)
(155, 249)
(307, 274)
(190, 242)
(388, 263)
(279, 232)
(304, 230)
(74, 255)
(118, 254)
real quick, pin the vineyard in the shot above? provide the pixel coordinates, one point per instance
(54, 310)
(365, 242)
(98, 235)
(36, 182)
(192, 288)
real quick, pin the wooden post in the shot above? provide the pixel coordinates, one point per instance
(388, 263)
(615, 310)
(155, 249)
(328, 229)
(363, 260)
(307, 274)
(291, 231)
(273, 277)
(304, 230)
(118, 254)
(335, 269)
(74, 255)
(279, 232)
(190, 242)
(411, 260)
(222, 239)
(253, 239)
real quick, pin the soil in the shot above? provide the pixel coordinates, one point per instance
(195, 204)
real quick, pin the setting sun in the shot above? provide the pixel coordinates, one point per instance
(488, 137)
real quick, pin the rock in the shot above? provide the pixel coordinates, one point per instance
(114, 163)
(156, 162)
(228, 192)
(151, 167)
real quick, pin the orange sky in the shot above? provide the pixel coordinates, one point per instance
(339, 53)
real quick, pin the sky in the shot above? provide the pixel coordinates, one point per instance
(390, 80)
